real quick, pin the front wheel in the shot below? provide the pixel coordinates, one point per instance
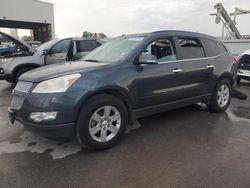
(20, 72)
(101, 122)
(221, 97)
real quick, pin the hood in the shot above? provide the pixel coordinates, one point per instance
(59, 69)
(17, 40)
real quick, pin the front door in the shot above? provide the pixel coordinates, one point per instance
(156, 84)
(58, 52)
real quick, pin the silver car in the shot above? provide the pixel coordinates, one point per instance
(21, 57)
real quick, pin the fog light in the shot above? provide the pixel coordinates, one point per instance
(43, 116)
(1, 71)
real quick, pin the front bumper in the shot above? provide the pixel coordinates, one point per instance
(50, 131)
(245, 74)
(67, 106)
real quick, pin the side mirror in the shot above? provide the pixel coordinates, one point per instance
(46, 52)
(147, 59)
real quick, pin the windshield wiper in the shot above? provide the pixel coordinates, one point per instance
(91, 60)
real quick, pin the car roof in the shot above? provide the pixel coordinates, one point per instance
(81, 38)
(173, 32)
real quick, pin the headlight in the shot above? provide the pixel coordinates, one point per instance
(7, 60)
(56, 85)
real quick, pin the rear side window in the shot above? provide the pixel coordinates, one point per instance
(190, 48)
(213, 48)
(86, 45)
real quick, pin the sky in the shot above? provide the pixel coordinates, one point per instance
(117, 17)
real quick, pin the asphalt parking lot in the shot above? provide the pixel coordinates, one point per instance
(188, 147)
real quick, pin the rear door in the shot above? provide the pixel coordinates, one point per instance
(197, 69)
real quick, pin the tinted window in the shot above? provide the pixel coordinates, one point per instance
(61, 47)
(213, 48)
(162, 50)
(191, 48)
(85, 45)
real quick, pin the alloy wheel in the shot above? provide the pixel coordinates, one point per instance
(104, 124)
(223, 95)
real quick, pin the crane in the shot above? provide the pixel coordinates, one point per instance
(228, 23)
(238, 11)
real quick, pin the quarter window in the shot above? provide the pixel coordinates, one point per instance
(161, 49)
(86, 45)
(190, 48)
(213, 48)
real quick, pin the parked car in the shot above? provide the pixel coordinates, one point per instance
(244, 66)
(124, 79)
(7, 49)
(25, 58)
(33, 44)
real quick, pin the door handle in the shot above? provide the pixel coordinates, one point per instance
(210, 66)
(62, 58)
(177, 70)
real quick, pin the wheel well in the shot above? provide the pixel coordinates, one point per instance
(227, 76)
(115, 93)
(24, 66)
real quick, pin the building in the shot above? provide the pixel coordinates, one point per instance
(35, 15)
(237, 46)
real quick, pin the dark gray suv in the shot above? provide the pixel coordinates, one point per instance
(129, 77)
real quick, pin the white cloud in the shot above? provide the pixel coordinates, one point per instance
(115, 17)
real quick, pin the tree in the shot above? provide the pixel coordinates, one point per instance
(102, 35)
(87, 34)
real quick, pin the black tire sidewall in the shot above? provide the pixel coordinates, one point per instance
(82, 124)
(214, 106)
(238, 79)
(20, 72)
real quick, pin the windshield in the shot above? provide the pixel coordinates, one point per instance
(47, 45)
(114, 51)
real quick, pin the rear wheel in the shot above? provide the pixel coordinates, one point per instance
(221, 97)
(101, 122)
(238, 79)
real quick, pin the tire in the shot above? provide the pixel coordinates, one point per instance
(94, 110)
(20, 72)
(221, 98)
(238, 79)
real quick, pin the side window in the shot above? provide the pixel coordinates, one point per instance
(161, 50)
(86, 45)
(213, 48)
(61, 47)
(190, 48)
